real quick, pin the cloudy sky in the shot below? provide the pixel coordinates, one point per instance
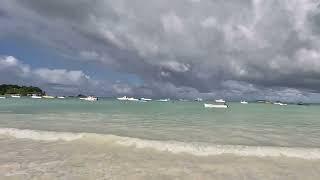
(233, 49)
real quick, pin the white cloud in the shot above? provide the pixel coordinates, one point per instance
(122, 89)
(61, 76)
(209, 22)
(172, 23)
(89, 55)
(187, 44)
(13, 70)
(11, 65)
(308, 60)
(176, 66)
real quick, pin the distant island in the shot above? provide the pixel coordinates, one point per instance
(22, 90)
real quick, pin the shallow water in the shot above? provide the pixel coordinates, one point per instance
(108, 139)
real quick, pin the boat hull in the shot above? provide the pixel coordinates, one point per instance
(89, 98)
(15, 96)
(48, 97)
(215, 106)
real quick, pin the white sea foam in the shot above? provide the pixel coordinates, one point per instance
(39, 135)
(239, 150)
(170, 146)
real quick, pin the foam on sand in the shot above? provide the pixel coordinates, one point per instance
(169, 146)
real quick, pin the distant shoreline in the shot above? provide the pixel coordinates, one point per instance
(12, 89)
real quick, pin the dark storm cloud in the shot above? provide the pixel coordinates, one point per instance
(183, 47)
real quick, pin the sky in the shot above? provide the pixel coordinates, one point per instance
(235, 49)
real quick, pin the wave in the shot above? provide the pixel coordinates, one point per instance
(169, 146)
(39, 135)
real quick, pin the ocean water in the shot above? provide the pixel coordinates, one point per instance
(109, 139)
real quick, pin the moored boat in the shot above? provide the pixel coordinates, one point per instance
(164, 100)
(48, 97)
(90, 98)
(206, 105)
(132, 99)
(198, 99)
(220, 101)
(124, 98)
(243, 102)
(280, 104)
(145, 99)
(16, 95)
(34, 96)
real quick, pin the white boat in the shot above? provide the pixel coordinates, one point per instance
(220, 101)
(243, 102)
(36, 97)
(132, 99)
(2, 97)
(48, 97)
(215, 106)
(90, 98)
(198, 99)
(145, 99)
(16, 96)
(280, 104)
(163, 100)
(283, 104)
(61, 97)
(124, 98)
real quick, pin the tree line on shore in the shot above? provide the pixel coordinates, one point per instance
(22, 90)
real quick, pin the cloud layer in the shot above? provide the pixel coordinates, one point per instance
(13, 70)
(182, 48)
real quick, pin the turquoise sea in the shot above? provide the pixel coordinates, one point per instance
(109, 139)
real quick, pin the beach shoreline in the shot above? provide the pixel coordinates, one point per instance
(81, 159)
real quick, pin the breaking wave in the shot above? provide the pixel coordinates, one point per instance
(39, 135)
(169, 146)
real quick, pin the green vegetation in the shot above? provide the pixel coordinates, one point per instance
(22, 90)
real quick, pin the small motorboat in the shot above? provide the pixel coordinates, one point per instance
(132, 99)
(2, 97)
(124, 98)
(16, 95)
(61, 97)
(163, 100)
(280, 104)
(90, 98)
(302, 104)
(215, 105)
(145, 99)
(48, 97)
(243, 102)
(220, 101)
(34, 96)
(198, 99)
